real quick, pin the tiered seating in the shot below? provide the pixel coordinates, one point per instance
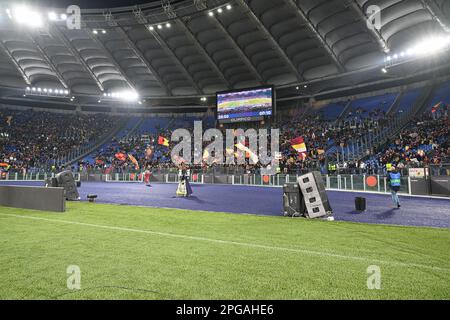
(332, 111)
(371, 107)
(442, 94)
(408, 99)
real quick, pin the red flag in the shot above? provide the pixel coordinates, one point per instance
(121, 156)
(436, 107)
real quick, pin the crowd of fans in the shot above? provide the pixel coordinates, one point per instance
(31, 140)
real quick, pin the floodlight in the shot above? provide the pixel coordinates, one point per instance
(26, 16)
(52, 16)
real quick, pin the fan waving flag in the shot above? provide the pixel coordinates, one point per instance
(299, 145)
(163, 141)
(249, 153)
(134, 161)
(436, 107)
(121, 156)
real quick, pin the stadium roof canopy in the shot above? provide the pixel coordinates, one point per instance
(192, 48)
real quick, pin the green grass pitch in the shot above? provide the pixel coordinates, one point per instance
(127, 252)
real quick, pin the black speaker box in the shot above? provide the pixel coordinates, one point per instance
(293, 201)
(67, 181)
(360, 204)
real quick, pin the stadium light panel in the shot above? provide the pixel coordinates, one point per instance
(26, 16)
(63, 16)
(33, 89)
(229, 7)
(219, 10)
(168, 25)
(104, 31)
(66, 91)
(384, 70)
(95, 32)
(159, 26)
(39, 89)
(45, 90)
(52, 16)
(211, 14)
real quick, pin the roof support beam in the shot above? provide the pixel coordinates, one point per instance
(49, 61)
(113, 60)
(302, 15)
(374, 31)
(203, 52)
(436, 13)
(138, 53)
(16, 64)
(174, 57)
(275, 44)
(241, 52)
(60, 35)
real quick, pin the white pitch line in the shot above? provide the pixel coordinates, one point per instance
(242, 244)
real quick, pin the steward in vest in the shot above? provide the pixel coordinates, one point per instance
(394, 178)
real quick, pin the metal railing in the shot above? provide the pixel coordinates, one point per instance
(355, 183)
(30, 177)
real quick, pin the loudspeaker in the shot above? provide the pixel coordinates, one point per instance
(293, 202)
(360, 204)
(316, 199)
(51, 182)
(67, 181)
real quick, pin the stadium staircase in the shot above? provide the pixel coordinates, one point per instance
(344, 112)
(78, 154)
(393, 108)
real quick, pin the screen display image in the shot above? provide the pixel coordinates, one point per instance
(249, 103)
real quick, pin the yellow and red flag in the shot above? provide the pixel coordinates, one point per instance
(299, 145)
(163, 141)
